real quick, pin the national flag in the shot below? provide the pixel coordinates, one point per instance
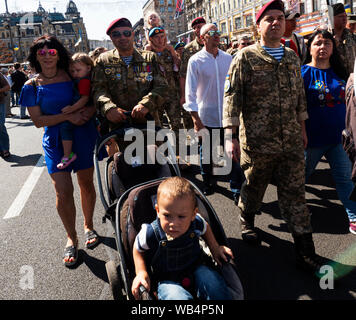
(179, 9)
(80, 39)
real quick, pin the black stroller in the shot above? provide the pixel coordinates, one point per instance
(131, 203)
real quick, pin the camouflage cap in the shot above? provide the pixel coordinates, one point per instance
(291, 15)
(351, 18)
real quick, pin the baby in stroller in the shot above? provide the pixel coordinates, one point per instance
(168, 250)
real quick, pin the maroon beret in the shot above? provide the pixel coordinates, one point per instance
(198, 20)
(274, 4)
(121, 22)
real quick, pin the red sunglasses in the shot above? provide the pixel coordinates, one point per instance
(50, 52)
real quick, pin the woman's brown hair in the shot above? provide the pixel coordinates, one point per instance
(51, 42)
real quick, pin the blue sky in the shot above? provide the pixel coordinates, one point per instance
(97, 15)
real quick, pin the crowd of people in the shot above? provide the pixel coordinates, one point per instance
(277, 104)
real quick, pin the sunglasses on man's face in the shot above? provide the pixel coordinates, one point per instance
(117, 34)
(213, 33)
(50, 52)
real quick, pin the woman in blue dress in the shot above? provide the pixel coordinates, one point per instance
(325, 81)
(45, 96)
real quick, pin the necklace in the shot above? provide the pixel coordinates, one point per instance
(49, 78)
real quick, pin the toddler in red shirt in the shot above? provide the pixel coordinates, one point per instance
(80, 70)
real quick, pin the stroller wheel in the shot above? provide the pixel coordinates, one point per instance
(114, 280)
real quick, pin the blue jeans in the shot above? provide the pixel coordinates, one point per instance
(236, 176)
(4, 137)
(22, 109)
(209, 285)
(340, 166)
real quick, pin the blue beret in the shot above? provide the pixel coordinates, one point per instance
(155, 30)
(179, 45)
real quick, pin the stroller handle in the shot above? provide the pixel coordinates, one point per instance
(144, 293)
(120, 133)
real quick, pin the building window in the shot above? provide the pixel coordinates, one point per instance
(161, 2)
(238, 23)
(161, 9)
(316, 5)
(223, 28)
(224, 7)
(170, 9)
(249, 20)
(228, 6)
(302, 8)
(169, 2)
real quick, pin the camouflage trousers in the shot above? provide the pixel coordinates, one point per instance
(288, 171)
(172, 110)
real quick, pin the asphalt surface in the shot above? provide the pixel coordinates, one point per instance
(32, 243)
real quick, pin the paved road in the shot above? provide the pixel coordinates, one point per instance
(32, 237)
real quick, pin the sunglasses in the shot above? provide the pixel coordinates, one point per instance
(213, 33)
(50, 52)
(117, 34)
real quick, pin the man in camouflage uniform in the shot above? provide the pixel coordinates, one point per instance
(345, 39)
(265, 98)
(190, 49)
(234, 46)
(171, 107)
(126, 79)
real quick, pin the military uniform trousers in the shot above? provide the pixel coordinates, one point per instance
(172, 112)
(288, 170)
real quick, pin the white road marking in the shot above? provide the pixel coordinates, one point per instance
(26, 190)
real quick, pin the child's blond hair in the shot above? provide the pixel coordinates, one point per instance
(149, 14)
(176, 188)
(83, 58)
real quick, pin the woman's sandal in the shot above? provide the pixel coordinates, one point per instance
(70, 252)
(90, 235)
(65, 162)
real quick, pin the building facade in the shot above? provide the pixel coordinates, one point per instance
(237, 17)
(18, 30)
(166, 10)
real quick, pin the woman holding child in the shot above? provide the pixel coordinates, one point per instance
(45, 96)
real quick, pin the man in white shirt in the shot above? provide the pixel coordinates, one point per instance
(204, 93)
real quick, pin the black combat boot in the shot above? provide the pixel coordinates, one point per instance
(306, 258)
(248, 231)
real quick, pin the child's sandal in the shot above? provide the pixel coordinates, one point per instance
(65, 162)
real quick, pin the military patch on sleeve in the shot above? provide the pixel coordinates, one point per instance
(227, 84)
